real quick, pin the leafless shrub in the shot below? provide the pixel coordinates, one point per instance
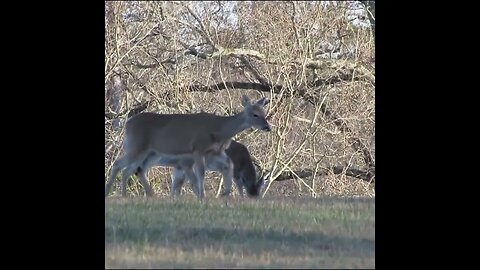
(308, 57)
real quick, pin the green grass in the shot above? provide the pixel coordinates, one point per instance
(219, 233)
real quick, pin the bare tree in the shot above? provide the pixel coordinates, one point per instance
(308, 57)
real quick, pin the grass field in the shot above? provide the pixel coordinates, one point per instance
(218, 233)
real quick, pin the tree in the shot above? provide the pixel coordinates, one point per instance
(307, 57)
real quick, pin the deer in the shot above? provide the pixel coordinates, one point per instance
(183, 165)
(237, 154)
(178, 138)
(244, 171)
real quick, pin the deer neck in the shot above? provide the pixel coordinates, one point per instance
(232, 125)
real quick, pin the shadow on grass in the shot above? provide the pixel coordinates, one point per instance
(284, 242)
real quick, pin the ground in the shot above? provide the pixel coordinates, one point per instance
(275, 232)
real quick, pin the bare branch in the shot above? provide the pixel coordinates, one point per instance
(292, 52)
(196, 53)
(337, 65)
(254, 70)
(129, 113)
(155, 65)
(295, 28)
(305, 173)
(203, 30)
(354, 141)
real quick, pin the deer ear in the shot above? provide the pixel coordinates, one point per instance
(245, 101)
(263, 102)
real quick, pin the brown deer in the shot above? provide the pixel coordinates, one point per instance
(237, 155)
(176, 139)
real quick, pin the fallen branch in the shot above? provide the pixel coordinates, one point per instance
(129, 113)
(324, 64)
(368, 176)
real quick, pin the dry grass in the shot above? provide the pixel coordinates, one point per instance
(272, 232)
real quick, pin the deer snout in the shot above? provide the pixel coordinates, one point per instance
(266, 128)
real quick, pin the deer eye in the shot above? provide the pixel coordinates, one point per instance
(255, 115)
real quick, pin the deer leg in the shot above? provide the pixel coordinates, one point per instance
(239, 184)
(142, 170)
(117, 166)
(193, 180)
(178, 178)
(132, 167)
(142, 176)
(227, 179)
(199, 167)
(226, 166)
(129, 171)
